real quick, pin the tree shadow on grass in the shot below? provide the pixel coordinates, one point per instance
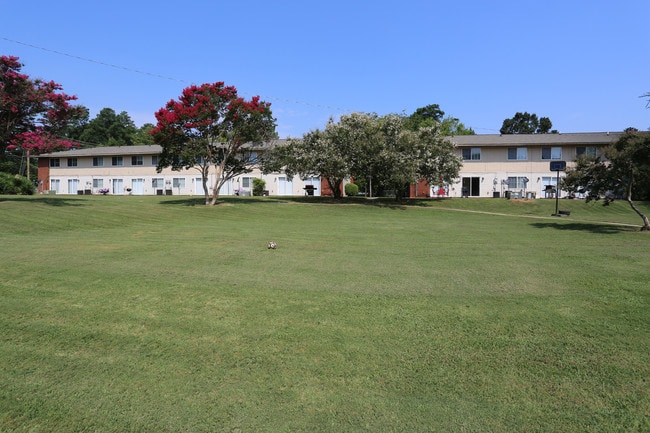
(49, 200)
(200, 201)
(602, 228)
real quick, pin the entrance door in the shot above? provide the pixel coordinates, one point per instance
(471, 187)
(285, 186)
(226, 188)
(198, 186)
(55, 185)
(73, 186)
(137, 186)
(118, 186)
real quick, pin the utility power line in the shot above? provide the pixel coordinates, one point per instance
(179, 80)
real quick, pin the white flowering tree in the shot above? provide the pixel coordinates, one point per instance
(362, 145)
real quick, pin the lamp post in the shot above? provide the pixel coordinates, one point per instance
(557, 166)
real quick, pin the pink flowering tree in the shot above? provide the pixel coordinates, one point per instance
(211, 126)
(34, 114)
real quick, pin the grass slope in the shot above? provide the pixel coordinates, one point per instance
(148, 314)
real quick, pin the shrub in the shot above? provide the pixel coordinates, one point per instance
(258, 186)
(351, 190)
(15, 184)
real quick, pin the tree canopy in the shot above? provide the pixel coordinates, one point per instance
(526, 123)
(210, 125)
(35, 115)
(431, 115)
(361, 145)
(622, 171)
(109, 129)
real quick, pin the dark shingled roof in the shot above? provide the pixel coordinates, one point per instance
(153, 149)
(575, 139)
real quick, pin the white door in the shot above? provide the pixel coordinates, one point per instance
(285, 186)
(226, 188)
(118, 186)
(198, 186)
(55, 185)
(73, 186)
(137, 186)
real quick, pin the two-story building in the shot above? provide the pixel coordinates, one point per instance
(493, 166)
(516, 165)
(131, 170)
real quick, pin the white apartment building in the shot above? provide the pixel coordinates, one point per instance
(494, 165)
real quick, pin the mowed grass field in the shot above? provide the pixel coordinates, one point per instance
(158, 314)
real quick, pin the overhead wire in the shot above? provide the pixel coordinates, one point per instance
(164, 77)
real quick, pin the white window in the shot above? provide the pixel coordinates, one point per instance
(473, 154)
(179, 182)
(517, 153)
(157, 182)
(154, 160)
(117, 161)
(551, 153)
(98, 183)
(517, 182)
(98, 161)
(72, 162)
(55, 162)
(586, 150)
(137, 160)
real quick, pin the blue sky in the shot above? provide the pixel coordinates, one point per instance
(582, 63)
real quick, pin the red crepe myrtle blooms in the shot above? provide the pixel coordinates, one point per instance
(32, 111)
(209, 123)
(39, 142)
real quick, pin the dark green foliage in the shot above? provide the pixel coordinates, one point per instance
(431, 116)
(351, 190)
(424, 116)
(526, 123)
(15, 184)
(258, 186)
(109, 129)
(622, 172)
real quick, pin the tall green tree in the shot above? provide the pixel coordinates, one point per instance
(526, 123)
(452, 126)
(424, 116)
(143, 135)
(622, 171)
(109, 128)
(433, 116)
(211, 126)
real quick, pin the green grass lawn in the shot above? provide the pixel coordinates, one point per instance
(158, 314)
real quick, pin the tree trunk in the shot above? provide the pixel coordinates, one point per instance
(204, 180)
(646, 222)
(335, 186)
(217, 183)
